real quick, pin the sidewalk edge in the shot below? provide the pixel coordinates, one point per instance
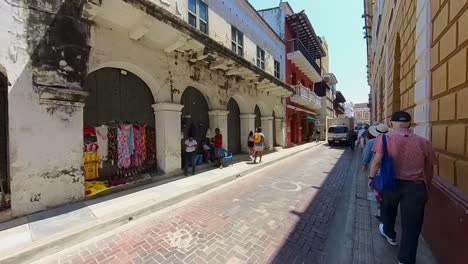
(57, 243)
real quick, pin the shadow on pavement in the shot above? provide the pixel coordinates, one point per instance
(305, 243)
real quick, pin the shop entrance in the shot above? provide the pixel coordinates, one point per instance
(195, 120)
(234, 140)
(119, 130)
(258, 117)
(4, 173)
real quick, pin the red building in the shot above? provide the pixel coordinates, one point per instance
(303, 49)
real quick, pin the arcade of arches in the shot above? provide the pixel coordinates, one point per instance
(127, 135)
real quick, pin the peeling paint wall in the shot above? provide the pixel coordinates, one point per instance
(223, 14)
(43, 44)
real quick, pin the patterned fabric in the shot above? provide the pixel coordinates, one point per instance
(130, 138)
(102, 139)
(137, 157)
(150, 144)
(91, 165)
(143, 143)
(113, 145)
(124, 160)
(412, 154)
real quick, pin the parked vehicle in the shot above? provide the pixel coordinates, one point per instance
(337, 130)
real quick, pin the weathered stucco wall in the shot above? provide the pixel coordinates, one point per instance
(43, 46)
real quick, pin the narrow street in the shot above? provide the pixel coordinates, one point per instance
(281, 214)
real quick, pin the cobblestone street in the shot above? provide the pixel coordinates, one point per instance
(281, 214)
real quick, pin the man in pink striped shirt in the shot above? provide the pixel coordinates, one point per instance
(413, 158)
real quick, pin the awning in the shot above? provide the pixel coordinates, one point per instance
(310, 119)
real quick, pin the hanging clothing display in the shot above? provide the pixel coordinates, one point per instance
(112, 145)
(124, 160)
(137, 157)
(116, 154)
(91, 165)
(143, 143)
(102, 140)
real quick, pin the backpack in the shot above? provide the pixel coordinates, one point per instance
(257, 138)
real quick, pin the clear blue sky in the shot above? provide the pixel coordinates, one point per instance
(341, 23)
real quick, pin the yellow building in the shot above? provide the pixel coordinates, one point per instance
(417, 62)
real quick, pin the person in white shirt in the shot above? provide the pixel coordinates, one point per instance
(362, 137)
(190, 154)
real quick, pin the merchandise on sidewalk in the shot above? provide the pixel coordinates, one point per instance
(116, 154)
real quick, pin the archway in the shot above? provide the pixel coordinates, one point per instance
(4, 173)
(258, 117)
(119, 101)
(234, 133)
(195, 119)
(396, 76)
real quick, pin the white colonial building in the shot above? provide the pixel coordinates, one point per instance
(177, 67)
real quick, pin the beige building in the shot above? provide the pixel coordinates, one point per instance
(362, 114)
(417, 62)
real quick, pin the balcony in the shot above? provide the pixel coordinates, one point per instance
(306, 97)
(339, 108)
(299, 55)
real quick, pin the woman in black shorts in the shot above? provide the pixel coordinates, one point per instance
(250, 144)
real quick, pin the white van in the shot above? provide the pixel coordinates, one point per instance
(338, 135)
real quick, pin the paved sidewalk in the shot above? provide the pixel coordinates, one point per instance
(41, 234)
(369, 247)
(281, 214)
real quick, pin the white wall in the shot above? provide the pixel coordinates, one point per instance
(223, 14)
(45, 140)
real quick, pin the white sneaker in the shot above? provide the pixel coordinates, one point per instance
(391, 241)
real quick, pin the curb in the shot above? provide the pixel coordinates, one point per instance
(56, 243)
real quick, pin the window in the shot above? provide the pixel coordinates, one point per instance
(237, 41)
(338, 130)
(198, 15)
(260, 58)
(277, 69)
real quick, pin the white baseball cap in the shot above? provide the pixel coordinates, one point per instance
(378, 130)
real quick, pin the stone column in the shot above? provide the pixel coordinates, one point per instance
(280, 127)
(422, 77)
(168, 131)
(267, 127)
(247, 125)
(218, 119)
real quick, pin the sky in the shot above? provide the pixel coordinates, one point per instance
(340, 22)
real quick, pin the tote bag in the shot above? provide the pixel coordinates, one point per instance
(385, 181)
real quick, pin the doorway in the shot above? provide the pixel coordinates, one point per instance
(234, 140)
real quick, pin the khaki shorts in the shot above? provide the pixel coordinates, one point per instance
(259, 148)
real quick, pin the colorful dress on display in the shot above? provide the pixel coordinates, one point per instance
(143, 143)
(124, 160)
(103, 142)
(137, 157)
(91, 165)
(113, 148)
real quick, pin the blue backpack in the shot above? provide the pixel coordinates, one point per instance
(384, 180)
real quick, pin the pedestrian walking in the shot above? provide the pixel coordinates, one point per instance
(367, 156)
(413, 158)
(352, 137)
(362, 137)
(251, 144)
(190, 154)
(259, 140)
(218, 147)
(317, 135)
